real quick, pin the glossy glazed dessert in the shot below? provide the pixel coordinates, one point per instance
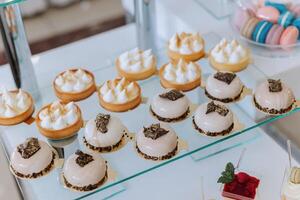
(170, 106)
(15, 107)
(105, 133)
(136, 64)
(238, 186)
(291, 186)
(119, 95)
(229, 56)
(74, 85)
(59, 120)
(84, 172)
(182, 76)
(224, 86)
(213, 119)
(187, 46)
(32, 159)
(157, 142)
(274, 97)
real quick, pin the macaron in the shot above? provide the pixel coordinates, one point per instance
(268, 13)
(249, 27)
(261, 31)
(241, 16)
(279, 6)
(286, 19)
(273, 37)
(289, 36)
(295, 9)
(296, 23)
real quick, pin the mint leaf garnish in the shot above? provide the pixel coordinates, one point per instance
(228, 174)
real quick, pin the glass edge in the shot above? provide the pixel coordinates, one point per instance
(10, 3)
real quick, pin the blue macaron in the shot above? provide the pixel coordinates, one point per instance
(279, 6)
(286, 19)
(296, 23)
(261, 31)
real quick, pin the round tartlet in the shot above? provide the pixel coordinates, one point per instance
(136, 64)
(119, 95)
(104, 134)
(170, 106)
(181, 76)
(32, 159)
(59, 120)
(187, 46)
(74, 85)
(274, 97)
(229, 56)
(84, 172)
(157, 142)
(213, 119)
(224, 86)
(15, 107)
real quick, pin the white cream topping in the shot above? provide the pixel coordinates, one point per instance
(74, 81)
(182, 72)
(136, 60)
(222, 90)
(159, 147)
(169, 109)
(59, 116)
(12, 103)
(275, 100)
(212, 122)
(36, 163)
(90, 174)
(119, 91)
(186, 43)
(114, 133)
(290, 190)
(229, 52)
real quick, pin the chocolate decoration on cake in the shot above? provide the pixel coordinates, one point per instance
(172, 95)
(154, 131)
(275, 85)
(221, 110)
(225, 77)
(102, 121)
(29, 147)
(83, 158)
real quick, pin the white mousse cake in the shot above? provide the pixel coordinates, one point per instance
(157, 142)
(291, 186)
(84, 172)
(32, 159)
(213, 119)
(170, 106)
(105, 133)
(224, 86)
(274, 97)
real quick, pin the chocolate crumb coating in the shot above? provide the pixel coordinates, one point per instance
(102, 121)
(83, 158)
(172, 95)
(103, 149)
(273, 111)
(154, 131)
(275, 85)
(29, 147)
(220, 109)
(225, 77)
(182, 117)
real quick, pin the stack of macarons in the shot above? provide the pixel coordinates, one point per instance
(269, 23)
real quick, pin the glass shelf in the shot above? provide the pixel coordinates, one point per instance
(9, 2)
(218, 8)
(126, 161)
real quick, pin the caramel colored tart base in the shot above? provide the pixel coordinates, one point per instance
(67, 97)
(243, 64)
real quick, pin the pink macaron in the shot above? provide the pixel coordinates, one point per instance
(295, 9)
(241, 16)
(289, 36)
(268, 13)
(273, 37)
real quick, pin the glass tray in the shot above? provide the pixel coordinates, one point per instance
(126, 162)
(9, 2)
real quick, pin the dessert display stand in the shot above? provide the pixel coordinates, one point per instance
(218, 8)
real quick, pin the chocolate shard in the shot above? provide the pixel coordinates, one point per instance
(102, 121)
(225, 77)
(83, 158)
(275, 85)
(172, 95)
(29, 147)
(154, 131)
(220, 109)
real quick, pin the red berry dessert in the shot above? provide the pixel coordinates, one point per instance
(240, 186)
